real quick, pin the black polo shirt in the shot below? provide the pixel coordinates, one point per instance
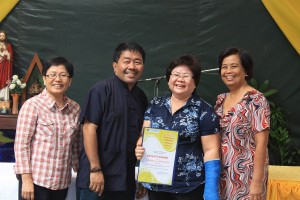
(118, 113)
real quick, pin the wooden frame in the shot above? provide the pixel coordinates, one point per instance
(8, 121)
(34, 62)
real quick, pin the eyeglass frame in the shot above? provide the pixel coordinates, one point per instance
(54, 76)
(184, 76)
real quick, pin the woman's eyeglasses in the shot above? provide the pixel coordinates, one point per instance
(61, 76)
(184, 76)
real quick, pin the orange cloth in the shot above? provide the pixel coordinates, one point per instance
(283, 183)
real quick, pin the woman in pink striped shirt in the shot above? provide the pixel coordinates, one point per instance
(47, 136)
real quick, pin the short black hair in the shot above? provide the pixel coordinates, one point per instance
(131, 46)
(191, 62)
(55, 61)
(246, 59)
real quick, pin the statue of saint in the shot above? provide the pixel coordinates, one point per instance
(6, 58)
(35, 88)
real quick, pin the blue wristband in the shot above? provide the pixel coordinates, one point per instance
(212, 175)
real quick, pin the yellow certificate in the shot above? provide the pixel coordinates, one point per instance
(157, 164)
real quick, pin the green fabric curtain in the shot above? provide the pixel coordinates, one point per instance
(5, 7)
(87, 31)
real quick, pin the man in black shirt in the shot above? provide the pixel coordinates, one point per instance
(112, 117)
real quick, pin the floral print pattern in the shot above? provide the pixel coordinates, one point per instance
(195, 119)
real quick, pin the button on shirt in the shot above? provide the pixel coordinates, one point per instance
(195, 119)
(47, 141)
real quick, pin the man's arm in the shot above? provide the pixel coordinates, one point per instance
(90, 143)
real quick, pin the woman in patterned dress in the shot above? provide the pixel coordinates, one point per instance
(244, 116)
(198, 128)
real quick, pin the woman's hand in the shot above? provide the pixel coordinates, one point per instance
(255, 191)
(139, 150)
(27, 187)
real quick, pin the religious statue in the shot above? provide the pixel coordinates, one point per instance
(6, 58)
(35, 88)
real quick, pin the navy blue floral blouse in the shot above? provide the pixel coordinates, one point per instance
(195, 119)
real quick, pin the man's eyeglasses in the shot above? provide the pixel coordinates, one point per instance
(61, 76)
(184, 76)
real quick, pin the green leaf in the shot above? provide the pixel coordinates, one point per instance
(270, 92)
(253, 83)
(272, 104)
(263, 87)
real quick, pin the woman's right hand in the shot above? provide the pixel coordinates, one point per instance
(27, 187)
(139, 150)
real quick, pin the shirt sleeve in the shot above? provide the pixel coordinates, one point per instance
(76, 150)
(260, 114)
(209, 122)
(26, 126)
(93, 106)
(76, 147)
(148, 113)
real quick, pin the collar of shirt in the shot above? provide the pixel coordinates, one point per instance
(52, 104)
(123, 84)
(193, 100)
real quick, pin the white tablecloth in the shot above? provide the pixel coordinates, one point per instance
(9, 183)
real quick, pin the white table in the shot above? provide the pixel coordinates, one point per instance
(9, 183)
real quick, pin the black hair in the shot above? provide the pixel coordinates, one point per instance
(58, 61)
(245, 58)
(191, 62)
(131, 46)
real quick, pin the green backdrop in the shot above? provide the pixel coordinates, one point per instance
(87, 31)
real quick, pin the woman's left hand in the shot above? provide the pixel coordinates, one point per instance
(255, 191)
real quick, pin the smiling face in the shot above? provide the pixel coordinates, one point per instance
(129, 67)
(232, 72)
(57, 86)
(181, 82)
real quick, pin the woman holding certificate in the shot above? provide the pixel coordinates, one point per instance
(197, 155)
